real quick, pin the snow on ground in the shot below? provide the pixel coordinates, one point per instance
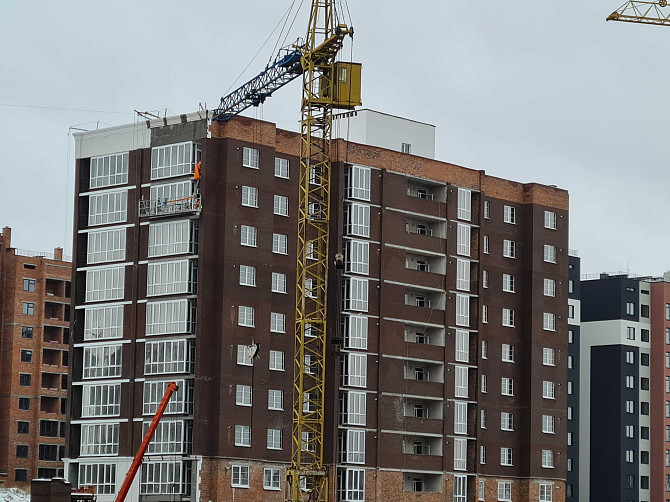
(13, 495)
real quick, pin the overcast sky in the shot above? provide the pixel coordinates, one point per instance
(544, 92)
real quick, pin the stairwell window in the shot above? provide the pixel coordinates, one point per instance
(247, 275)
(548, 390)
(463, 240)
(549, 253)
(507, 353)
(508, 283)
(243, 395)
(549, 287)
(242, 435)
(548, 459)
(547, 424)
(550, 220)
(506, 421)
(507, 386)
(245, 316)
(250, 157)
(508, 317)
(549, 321)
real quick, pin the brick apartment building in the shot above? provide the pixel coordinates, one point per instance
(620, 390)
(34, 350)
(452, 311)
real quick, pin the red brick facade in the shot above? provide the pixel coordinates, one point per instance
(34, 296)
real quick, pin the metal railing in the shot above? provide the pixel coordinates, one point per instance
(163, 207)
(39, 254)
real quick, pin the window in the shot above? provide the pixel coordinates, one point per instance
(105, 284)
(463, 275)
(509, 214)
(508, 283)
(281, 205)
(482, 419)
(248, 236)
(26, 331)
(485, 279)
(29, 285)
(356, 294)
(102, 362)
(485, 349)
(358, 257)
(99, 439)
(275, 399)
(549, 287)
(101, 476)
(460, 417)
(48, 452)
(354, 408)
(244, 355)
(173, 160)
(171, 277)
(571, 336)
(630, 308)
(486, 244)
(277, 323)
(354, 446)
(276, 360)
(279, 243)
(245, 316)
(102, 400)
(242, 435)
(546, 488)
(485, 314)
(463, 237)
(549, 321)
(243, 395)
(482, 455)
(358, 182)
(163, 317)
(547, 424)
(250, 157)
(353, 485)
(508, 317)
(28, 308)
(281, 168)
(506, 421)
(482, 486)
(278, 282)
(406, 148)
(167, 356)
(571, 286)
(484, 387)
(630, 456)
(505, 489)
(460, 488)
(464, 204)
(21, 475)
(505, 456)
(644, 384)
(460, 454)
(507, 386)
(630, 431)
(550, 220)
(630, 406)
(357, 218)
(274, 439)
(507, 353)
(462, 346)
(630, 333)
(250, 197)
(24, 403)
(356, 332)
(171, 237)
(240, 477)
(644, 335)
(248, 276)
(630, 381)
(110, 207)
(26, 356)
(106, 245)
(23, 427)
(355, 369)
(509, 249)
(461, 381)
(548, 356)
(548, 390)
(549, 253)
(270, 479)
(548, 459)
(462, 310)
(21, 451)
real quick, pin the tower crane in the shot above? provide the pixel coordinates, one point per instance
(641, 12)
(327, 84)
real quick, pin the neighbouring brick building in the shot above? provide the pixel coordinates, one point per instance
(34, 350)
(452, 309)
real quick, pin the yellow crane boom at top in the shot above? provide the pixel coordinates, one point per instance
(642, 12)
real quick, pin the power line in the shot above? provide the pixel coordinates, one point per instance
(63, 109)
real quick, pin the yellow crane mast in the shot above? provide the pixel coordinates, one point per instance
(326, 84)
(642, 12)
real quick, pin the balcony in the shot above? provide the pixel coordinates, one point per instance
(422, 445)
(419, 482)
(52, 357)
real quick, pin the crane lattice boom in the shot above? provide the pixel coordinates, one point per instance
(642, 12)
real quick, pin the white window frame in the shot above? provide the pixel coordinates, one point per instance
(549, 253)
(101, 476)
(508, 317)
(277, 322)
(170, 316)
(274, 439)
(249, 196)
(173, 160)
(281, 205)
(463, 275)
(282, 168)
(358, 219)
(101, 400)
(170, 277)
(548, 390)
(170, 237)
(102, 361)
(103, 322)
(109, 170)
(243, 436)
(103, 284)
(504, 491)
(240, 476)
(462, 310)
(549, 321)
(278, 282)
(167, 356)
(246, 316)
(461, 381)
(506, 421)
(548, 356)
(508, 283)
(549, 287)
(546, 492)
(355, 372)
(460, 454)
(507, 353)
(354, 411)
(276, 362)
(550, 220)
(280, 244)
(356, 332)
(463, 238)
(548, 424)
(509, 248)
(108, 207)
(248, 276)
(462, 352)
(358, 257)
(106, 245)
(250, 157)
(460, 417)
(548, 459)
(275, 399)
(248, 236)
(507, 386)
(356, 294)
(271, 478)
(359, 182)
(464, 204)
(509, 214)
(243, 395)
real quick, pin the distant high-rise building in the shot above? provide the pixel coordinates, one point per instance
(448, 376)
(623, 401)
(34, 356)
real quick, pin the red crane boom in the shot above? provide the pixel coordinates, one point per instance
(137, 461)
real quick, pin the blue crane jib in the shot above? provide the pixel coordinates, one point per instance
(286, 68)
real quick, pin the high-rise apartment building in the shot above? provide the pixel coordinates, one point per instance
(448, 375)
(623, 401)
(34, 329)
(574, 334)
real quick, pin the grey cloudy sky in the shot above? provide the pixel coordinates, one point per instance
(531, 91)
